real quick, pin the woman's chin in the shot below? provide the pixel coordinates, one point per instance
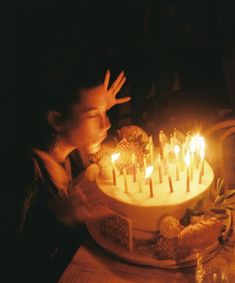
(93, 148)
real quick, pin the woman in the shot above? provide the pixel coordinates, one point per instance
(69, 124)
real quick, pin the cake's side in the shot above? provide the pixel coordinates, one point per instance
(144, 211)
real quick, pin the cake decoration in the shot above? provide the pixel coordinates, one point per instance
(170, 227)
(171, 249)
(201, 234)
(117, 228)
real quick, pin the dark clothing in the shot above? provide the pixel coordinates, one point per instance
(35, 240)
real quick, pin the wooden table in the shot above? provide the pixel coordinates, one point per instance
(92, 264)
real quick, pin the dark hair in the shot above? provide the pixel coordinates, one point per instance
(59, 89)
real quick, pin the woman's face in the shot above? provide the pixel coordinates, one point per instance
(88, 123)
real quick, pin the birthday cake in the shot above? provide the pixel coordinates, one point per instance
(151, 189)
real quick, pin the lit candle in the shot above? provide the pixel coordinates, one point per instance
(159, 169)
(114, 158)
(187, 162)
(145, 163)
(182, 157)
(187, 140)
(170, 184)
(165, 167)
(177, 150)
(201, 173)
(197, 139)
(192, 161)
(202, 153)
(151, 149)
(148, 173)
(175, 134)
(125, 181)
(192, 150)
(171, 142)
(161, 143)
(138, 180)
(133, 161)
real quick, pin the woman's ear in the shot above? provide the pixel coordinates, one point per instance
(55, 120)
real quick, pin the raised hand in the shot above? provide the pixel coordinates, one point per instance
(114, 89)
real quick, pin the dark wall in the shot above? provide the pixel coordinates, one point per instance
(151, 40)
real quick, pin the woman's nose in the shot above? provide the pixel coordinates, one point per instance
(106, 123)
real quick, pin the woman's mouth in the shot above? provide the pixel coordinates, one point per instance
(100, 139)
(95, 145)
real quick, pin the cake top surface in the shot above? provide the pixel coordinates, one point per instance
(161, 191)
(179, 170)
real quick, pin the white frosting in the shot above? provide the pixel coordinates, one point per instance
(145, 211)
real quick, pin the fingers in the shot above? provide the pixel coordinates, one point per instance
(106, 79)
(119, 86)
(117, 81)
(123, 100)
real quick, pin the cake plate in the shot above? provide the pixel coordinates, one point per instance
(143, 251)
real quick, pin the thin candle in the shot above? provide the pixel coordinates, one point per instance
(202, 153)
(148, 173)
(170, 183)
(171, 142)
(177, 150)
(114, 158)
(187, 162)
(192, 161)
(145, 163)
(138, 180)
(192, 150)
(159, 169)
(175, 134)
(197, 140)
(161, 143)
(151, 149)
(125, 181)
(187, 140)
(133, 161)
(201, 173)
(200, 147)
(182, 157)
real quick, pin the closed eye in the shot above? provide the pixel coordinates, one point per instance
(91, 114)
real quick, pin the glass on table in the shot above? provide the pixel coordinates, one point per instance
(214, 270)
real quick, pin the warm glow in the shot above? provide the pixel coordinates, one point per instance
(148, 171)
(187, 159)
(202, 143)
(192, 146)
(202, 154)
(197, 142)
(115, 157)
(177, 149)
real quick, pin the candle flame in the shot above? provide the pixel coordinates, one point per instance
(187, 159)
(148, 171)
(176, 149)
(115, 157)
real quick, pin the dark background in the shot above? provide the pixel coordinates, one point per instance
(178, 56)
